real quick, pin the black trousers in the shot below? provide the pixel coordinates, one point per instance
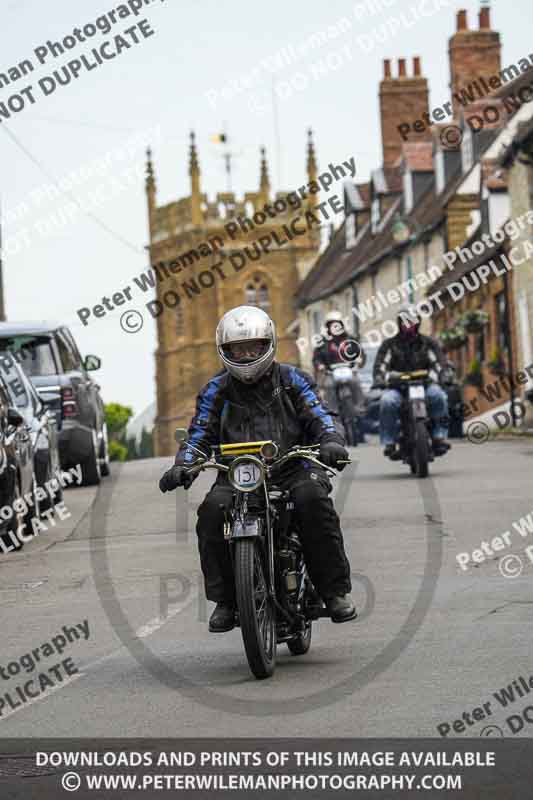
(318, 527)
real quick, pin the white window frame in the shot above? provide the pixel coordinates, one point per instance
(375, 214)
(440, 172)
(467, 150)
(408, 193)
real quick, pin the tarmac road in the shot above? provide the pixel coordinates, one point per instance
(432, 643)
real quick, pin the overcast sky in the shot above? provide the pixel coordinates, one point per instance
(193, 73)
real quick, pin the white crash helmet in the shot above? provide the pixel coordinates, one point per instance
(246, 324)
(333, 316)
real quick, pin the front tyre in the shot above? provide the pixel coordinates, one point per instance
(421, 449)
(105, 468)
(300, 645)
(349, 421)
(256, 613)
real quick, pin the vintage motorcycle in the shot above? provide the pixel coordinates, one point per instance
(414, 444)
(276, 601)
(339, 378)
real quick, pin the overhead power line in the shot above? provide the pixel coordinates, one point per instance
(67, 193)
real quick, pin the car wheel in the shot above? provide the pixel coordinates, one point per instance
(105, 468)
(90, 467)
(35, 511)
(50, 502)
(17, 521)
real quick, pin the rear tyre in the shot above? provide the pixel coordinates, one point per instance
(300, 645)
(256, 613)
(90, 467)
(421, 449)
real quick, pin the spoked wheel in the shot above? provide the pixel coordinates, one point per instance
(421, 450)
(256, 613)
(349, 423)
(301, 643)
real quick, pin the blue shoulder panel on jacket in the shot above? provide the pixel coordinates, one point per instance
(206, 402)
(312, 399)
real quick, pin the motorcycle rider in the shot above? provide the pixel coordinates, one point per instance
(407, 351)
(339, 347)
(256, 398)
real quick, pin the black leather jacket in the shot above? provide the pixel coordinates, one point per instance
(399, 354)
(284, 406)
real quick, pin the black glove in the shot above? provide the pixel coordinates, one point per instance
(331, 452)
(174, 477)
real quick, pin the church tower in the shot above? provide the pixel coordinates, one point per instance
(207, 258)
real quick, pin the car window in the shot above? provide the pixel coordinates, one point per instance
(33, 353)
(73, 346)
(69, 361)
(16, 385)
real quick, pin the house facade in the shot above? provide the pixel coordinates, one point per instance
(408, 231)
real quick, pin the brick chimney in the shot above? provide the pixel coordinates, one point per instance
(473, 54)
(402, 99)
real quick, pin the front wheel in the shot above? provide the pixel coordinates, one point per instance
(300, 645)
(349, 421)
(256, 612)
(105, 468)
(421, 449)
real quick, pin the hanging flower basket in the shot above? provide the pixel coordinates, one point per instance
(453, 338)
(474, 321)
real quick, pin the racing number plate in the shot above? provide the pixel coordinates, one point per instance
(416, 393)
(247, 474)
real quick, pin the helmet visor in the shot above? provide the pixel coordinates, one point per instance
(247, 351)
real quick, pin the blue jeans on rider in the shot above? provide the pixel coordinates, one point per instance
(389, 413)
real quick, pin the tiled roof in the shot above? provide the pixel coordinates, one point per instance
(337, 267)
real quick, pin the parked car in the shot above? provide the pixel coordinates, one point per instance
(39, 421)
(17, 477)
(49, 355)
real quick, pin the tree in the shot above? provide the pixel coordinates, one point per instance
(117, 451)
(117, 417)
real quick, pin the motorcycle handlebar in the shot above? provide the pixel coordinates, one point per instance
(309, 452)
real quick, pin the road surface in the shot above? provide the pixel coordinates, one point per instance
(433, 642)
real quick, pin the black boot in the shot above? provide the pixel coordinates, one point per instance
(341, 608)
(392, 452)
(440, 447)
(222, 619)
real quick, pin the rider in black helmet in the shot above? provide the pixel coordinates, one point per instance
(407, 351)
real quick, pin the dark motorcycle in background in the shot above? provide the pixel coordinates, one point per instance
(276, 601)
(414, 444)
